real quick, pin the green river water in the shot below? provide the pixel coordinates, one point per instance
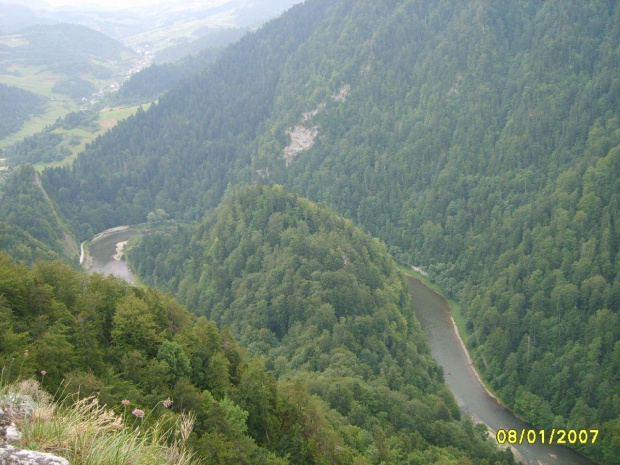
(434, 314)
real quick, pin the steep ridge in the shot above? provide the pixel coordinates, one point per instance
(326, 306)
(27, 208)
(480, 140)
(192, 143)
(355, 381)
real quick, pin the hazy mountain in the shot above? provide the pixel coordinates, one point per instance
(15, 17)
(66, 48)
(159, 25)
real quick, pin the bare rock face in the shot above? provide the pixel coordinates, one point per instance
(15, 407)
(8, 430)
(12, 434)
(10, 455)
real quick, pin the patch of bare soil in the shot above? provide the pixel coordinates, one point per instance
(109, 123)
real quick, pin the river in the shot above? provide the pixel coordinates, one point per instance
(107, 257)
(435, 317)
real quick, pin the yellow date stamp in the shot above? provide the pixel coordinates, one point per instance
(555, 436)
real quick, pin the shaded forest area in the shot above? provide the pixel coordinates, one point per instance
(17, 106)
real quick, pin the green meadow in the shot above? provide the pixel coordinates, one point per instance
(108, 118)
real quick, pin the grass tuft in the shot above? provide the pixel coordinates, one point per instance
(87, 433)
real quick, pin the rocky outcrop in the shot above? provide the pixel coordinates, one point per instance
(10, 455)
(15, 407)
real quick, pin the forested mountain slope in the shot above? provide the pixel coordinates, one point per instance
(482, 143)
(355, 381)
(189, 146)
(98, 336)
(324, 303)
(479, 140)
(30, 226)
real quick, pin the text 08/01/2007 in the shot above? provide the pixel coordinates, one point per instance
(556, 436)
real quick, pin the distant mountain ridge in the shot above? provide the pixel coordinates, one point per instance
(63, 46)
(158, 25)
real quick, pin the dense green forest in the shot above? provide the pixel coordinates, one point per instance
(479, 140)
(324, 303)
(24, 248)
(17, 106)
(31, 226)
(153, 81)
(219, 127)
(100, 335)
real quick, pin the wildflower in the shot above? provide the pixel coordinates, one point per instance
(125, 402)
(43, 372)
(167, 403)
(26, 353)
(138, 413)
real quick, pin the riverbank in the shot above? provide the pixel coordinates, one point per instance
(105, 252)
(86, 259)
(450, 352)
(475, 399)
(458, 324)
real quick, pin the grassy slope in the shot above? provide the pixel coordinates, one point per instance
(108, 118)
(85, 432)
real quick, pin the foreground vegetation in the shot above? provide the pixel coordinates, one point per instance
(87, 433)
(324, 380)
